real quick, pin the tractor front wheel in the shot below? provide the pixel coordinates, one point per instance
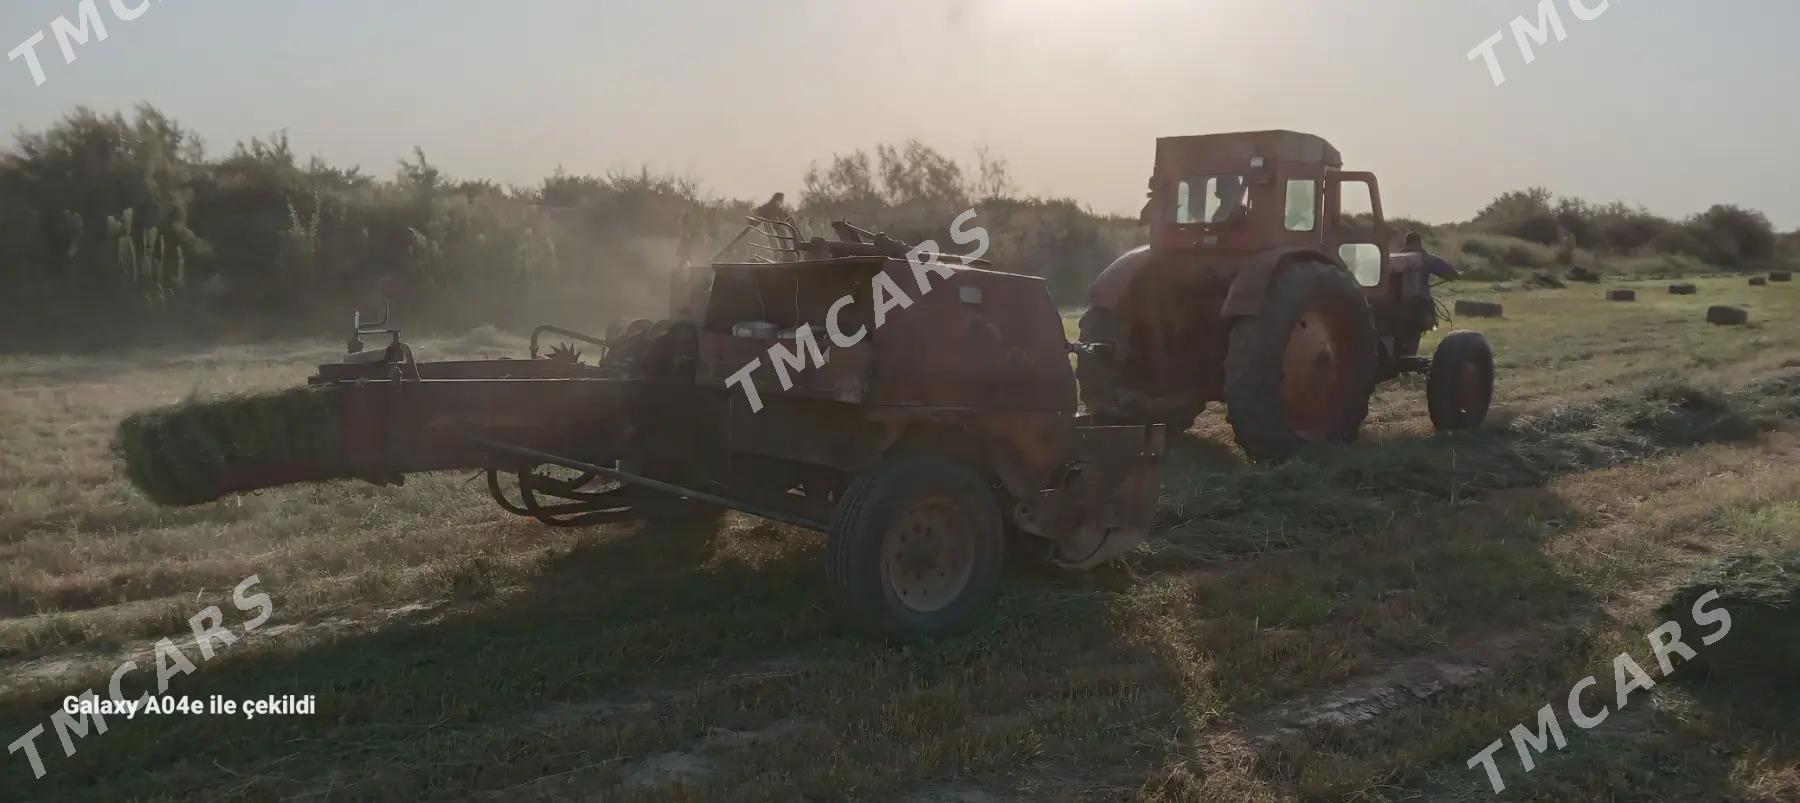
(915, 547)
(1461, 385)
(1300, 371)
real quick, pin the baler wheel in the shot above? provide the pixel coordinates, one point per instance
(915, 547)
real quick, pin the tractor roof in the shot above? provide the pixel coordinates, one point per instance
(1279, 146)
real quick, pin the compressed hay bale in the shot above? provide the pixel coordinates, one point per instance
(1683, 289)
(1761, 593)
(1758, 281)
(1781, 276)
(1621, 295)
(194, 452)
(1727, 316)
(1581, 274)
(1478, 309)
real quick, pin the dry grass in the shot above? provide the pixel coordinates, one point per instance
(459, 653)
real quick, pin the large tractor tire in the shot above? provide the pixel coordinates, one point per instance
(1300, 371)
(915, 548)
(1461, 385)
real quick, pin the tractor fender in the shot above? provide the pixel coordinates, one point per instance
(1246, 294)
(1110, 286)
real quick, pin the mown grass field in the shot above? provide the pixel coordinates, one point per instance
(1430, 592)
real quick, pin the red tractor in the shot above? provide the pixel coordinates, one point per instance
(1258, 290)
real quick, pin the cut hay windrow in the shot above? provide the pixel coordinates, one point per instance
(1761, 593)
(201, 449)
(1209, 511)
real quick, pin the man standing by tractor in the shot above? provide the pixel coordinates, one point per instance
(1424, 266)
(775, 210)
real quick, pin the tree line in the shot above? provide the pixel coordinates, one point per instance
(119, 229)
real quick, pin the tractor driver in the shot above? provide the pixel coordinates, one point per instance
(1230, 197)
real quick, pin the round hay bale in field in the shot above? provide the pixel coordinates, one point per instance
(1683, 289)
(197, 451)
(1478, 309)
(1781, 276)
(1761, 595)
(1621, 295)
(1758, 281)
(1727, 316)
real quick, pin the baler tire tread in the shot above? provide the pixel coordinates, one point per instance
(854, 547)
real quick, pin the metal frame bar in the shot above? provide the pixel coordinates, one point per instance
(654, 485)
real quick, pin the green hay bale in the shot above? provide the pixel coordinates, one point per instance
(189, 453)
(1762, 649)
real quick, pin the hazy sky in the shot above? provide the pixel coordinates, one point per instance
(1673, 105)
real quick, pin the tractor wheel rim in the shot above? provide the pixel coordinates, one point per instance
(929, 554)
(1313, 373)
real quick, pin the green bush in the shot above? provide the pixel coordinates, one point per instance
(1730, 236)
(1525, 214)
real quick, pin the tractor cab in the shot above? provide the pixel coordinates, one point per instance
(1230, 195)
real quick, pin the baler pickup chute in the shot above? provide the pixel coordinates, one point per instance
(354, 421)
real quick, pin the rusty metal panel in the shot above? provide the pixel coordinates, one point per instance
(979, 339)
(1212, 152)
(394, 427)
(842, 378)
(807, 431)
(1102, 503)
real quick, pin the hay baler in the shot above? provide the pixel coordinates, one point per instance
(928, 437)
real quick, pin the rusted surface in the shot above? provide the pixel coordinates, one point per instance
(1176, 303)
(396, 427)
(1100, 504)
(1311, 375)
(979, 340)
(975, 368)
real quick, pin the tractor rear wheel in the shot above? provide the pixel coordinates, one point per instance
(1461, 385)
(1300, 371)
(915, 547)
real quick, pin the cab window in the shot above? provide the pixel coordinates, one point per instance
(1302, 205)
(1364, 262)
(1209, 199)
